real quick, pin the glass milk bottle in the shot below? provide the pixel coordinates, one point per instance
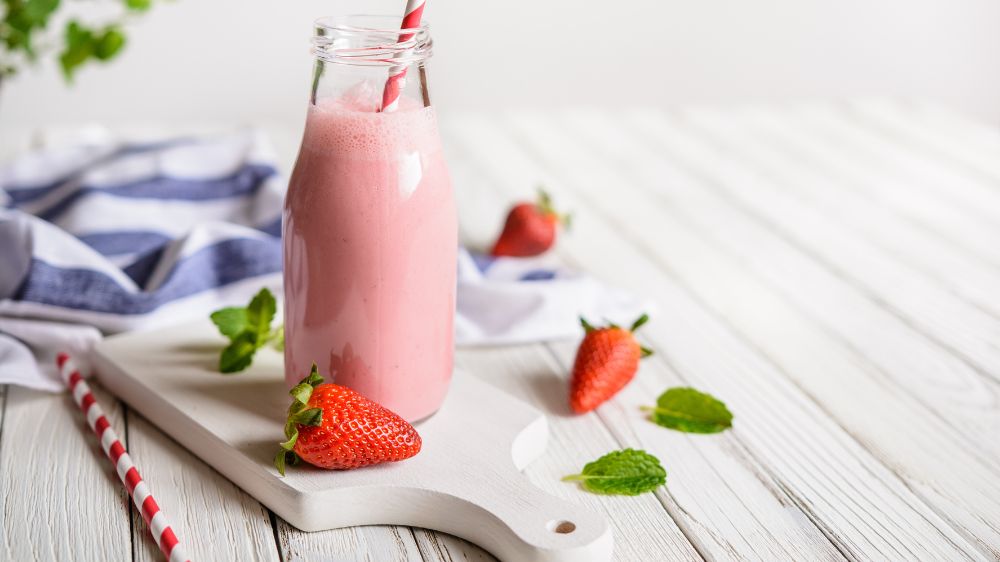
(369, 228)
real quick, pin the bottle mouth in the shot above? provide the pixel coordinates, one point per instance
(368, 40)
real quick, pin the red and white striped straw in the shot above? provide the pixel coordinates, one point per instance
(129, 475)
(397, 74)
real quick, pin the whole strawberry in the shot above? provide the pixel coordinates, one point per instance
(606, 361)
(530, 228)
(332, 426)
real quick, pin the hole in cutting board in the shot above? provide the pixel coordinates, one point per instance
(561, 527)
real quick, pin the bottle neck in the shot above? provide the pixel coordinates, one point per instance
(365, 62)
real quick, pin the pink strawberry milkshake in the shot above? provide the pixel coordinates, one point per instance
(370, 241)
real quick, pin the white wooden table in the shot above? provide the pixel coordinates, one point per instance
(831, 271)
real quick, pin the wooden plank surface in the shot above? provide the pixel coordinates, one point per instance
(832, 271)
(817, 460)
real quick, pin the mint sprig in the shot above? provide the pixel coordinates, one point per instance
(628, 472)
(688, 410)
(248, 329)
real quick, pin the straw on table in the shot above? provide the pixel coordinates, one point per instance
(397, 74)
(127, 472)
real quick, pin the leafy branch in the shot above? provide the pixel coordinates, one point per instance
(24, 37)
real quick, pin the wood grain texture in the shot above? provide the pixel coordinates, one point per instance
(974, 156)
(969, 511)
(835, 175)
(441, 547)
(60, 498)
(929, 205)
(708, 353)
(213, 518)
(927, 372)
(748, 515)
(370, 543)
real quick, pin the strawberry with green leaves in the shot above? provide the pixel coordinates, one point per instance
(530, 228)
(607, 360)
(332, 426)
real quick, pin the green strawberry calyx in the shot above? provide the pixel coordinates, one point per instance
(546, 208)
(298, 414)
(588, 328)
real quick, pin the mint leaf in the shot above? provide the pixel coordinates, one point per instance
(628, 472)
(231, 321)
(260, 313)
(248, 329)
(238, 355)
(688, 410)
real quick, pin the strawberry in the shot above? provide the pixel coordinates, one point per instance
(606, 361)
(530, 228)
(332, 426)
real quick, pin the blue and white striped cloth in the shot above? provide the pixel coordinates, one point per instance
(101, 236)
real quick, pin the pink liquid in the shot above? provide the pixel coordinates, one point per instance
(370, 242)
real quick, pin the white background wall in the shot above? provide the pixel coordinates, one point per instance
(247, 60)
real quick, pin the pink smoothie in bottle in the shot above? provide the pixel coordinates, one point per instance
(370, 242)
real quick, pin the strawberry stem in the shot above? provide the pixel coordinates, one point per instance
(587, 326)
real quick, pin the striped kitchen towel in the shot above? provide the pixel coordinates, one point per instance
(99, 236)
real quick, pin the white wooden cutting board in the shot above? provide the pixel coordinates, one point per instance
(466, 480)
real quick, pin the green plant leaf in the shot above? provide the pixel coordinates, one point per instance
(628, 472)
(248, 329)
(138, 5)
(109, 44)
(238, 355)
(260, 313)
(80, 44)
(688, 410)
(21, 19)
(38, 11)
(231, 321)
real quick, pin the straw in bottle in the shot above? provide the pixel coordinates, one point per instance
(397, 74)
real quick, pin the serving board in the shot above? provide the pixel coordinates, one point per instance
(466, 480)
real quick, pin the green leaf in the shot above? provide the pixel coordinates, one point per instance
(238, 355)
(231, 321)
(80, 45)
(138, 5)
(312, 416)
(109, 44)
(639, 322)
(260, 313)
(686, 409)
(628, 472)
(38, 11)
(301, 392)
(248, 329)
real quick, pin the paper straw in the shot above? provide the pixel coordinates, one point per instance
(129, 475)
(397, 74)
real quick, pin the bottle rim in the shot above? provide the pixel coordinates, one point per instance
(370, 40)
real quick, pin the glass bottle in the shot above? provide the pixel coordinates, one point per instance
(369, 227)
